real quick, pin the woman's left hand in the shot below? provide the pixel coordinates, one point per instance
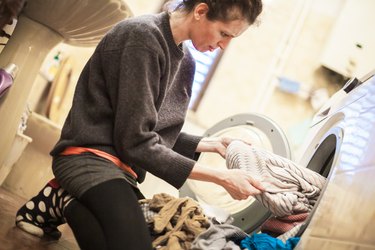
(216, 144)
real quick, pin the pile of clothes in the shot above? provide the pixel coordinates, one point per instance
(174, 223)
(290, 194)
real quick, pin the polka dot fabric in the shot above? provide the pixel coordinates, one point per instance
(42, 214)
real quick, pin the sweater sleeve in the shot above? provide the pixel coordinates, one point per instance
(186, 145)
(136, 101)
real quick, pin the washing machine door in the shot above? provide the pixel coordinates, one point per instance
(259, 130)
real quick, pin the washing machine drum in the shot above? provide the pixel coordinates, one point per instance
(261, 131)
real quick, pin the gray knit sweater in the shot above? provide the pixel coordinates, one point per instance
(131, 100)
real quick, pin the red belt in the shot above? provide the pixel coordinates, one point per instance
(115, 160)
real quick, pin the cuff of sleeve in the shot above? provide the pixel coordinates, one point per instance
(187, 144)
(183, 170)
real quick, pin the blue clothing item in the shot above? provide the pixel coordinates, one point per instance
(266, 242)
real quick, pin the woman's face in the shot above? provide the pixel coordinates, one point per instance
(209, 35)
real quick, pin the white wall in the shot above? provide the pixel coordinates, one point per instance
(140, 7)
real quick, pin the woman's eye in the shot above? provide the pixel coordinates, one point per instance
(223, 34)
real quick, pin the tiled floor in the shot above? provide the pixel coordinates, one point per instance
(12, 238)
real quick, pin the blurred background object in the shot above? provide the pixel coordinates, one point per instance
(9, 10)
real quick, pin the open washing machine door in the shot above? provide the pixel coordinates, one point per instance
(261, 131)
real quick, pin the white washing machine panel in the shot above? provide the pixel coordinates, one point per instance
(342, 137)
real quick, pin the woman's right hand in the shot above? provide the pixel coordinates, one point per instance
(238, 183)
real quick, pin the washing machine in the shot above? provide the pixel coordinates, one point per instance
(341, 138)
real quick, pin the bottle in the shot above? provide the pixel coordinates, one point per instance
(51, 67)
(7, 76)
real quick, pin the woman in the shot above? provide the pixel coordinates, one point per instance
(128, 110)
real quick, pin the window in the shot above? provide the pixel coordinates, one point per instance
(205, 65)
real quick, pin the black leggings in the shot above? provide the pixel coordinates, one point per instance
(108, 216)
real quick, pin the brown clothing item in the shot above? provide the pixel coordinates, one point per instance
(177, 223)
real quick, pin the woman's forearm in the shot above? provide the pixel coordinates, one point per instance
(238, 183)
(203, 173)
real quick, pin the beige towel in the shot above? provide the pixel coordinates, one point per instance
(290, 189)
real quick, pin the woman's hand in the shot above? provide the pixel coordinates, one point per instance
(216, 144)
(238, 183)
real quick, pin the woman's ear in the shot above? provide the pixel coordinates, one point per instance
(200, 10)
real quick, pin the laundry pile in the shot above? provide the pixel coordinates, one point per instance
(290, 193)
(179, 224)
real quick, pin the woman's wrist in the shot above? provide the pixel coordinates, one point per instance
(209, 144)
(203, 173)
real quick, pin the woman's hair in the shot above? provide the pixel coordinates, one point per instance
(225, 10)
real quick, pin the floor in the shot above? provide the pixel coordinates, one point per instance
(12, 238)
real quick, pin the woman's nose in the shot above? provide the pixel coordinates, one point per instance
(224, 43)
